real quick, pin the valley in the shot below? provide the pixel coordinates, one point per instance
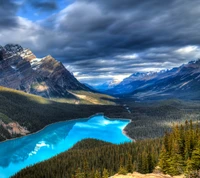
(149, 120)
(34, 112)
(99, 89)
(36, 94)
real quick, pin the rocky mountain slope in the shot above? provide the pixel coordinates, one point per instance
(181, 82)
(20, 69)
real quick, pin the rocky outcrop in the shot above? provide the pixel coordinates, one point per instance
(20, 69)
(138, 175)
(14, 128)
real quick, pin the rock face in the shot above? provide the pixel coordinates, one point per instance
(14, 128)
(20, 69)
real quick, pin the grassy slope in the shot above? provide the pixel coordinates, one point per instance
(35, 112)
(87, 97)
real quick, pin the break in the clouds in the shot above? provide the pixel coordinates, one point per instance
(99, 39)
(44, 5)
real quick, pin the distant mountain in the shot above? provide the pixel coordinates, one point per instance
(106, 86)
(181, 82)
(89, 86)
(131, 83)
(20, 69)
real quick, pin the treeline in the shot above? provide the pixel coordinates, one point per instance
(181, 150)
(96, 159)
(177, 153)
(34, 112)
(152, 120)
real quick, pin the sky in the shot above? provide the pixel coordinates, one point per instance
(100, 40)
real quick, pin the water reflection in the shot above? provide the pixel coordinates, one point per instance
(54, 139)
(20, 149)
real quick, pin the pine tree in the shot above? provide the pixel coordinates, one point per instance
(180, 151)
(105, 173)
(144, 161)
(97, 174)
(187, 142)
(122, 170)
(164, 160)
(194, 163)
(176, 160)
(79, 173)
(150, 162)
(86, 168)
(129, 166)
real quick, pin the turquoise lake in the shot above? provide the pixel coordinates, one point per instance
(21, 152)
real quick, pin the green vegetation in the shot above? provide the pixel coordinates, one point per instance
(150, 120)
(93, 158)
(87, 97)
(153, 119)
(4, 134)
(181, 150)
(177, 153)
(34, 112)
(5, 118)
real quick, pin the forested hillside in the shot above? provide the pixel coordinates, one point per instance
(177, 153)
(30, 113)
(181, 150)
(98, 159)
(153, 119)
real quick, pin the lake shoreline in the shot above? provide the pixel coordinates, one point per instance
(125, 133)
(88, 118)
(59, 137)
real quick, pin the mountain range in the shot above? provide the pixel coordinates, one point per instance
(105, 86)
(181, 82)
(20, 69)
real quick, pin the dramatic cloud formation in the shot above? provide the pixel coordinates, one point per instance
(100, 39)
(7, 14)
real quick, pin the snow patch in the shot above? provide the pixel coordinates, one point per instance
(185, 84)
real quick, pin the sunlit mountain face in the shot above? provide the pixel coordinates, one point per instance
(119, 38)
(47, 77)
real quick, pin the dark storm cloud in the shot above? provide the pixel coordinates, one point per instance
(129, 4)
(7, 14)
(112, 37)
(44, 5)
(154, 59)
(93, 29)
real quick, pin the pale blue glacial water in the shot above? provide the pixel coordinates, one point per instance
(19, 153)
